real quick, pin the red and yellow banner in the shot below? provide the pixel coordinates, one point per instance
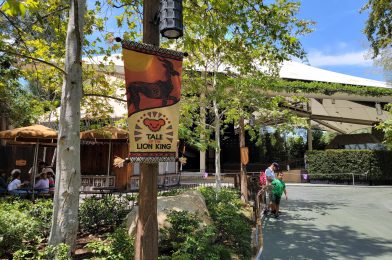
(153, 88)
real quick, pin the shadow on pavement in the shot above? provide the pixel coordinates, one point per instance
(296, 236)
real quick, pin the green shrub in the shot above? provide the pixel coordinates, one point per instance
(188, 239)
(118, 245)
(59, 252)
(100, 215)
(339, 164)
(234, 228)
(23, 224)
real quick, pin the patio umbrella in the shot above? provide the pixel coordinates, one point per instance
(34, 134)
(106, 134)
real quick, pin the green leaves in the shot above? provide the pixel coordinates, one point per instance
(379, 25)
(14, 8)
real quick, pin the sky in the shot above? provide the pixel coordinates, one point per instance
(338, 43)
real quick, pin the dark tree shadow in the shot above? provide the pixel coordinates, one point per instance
(295, 236)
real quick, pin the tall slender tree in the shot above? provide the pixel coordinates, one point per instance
(66, 198)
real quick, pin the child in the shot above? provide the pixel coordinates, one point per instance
(278, 187)
(43, 184)
(15, 185)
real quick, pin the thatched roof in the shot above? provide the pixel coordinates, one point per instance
(105, 133)
(34, 132)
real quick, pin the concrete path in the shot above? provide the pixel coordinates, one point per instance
(325, 222)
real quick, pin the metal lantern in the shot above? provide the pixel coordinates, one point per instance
(170, 24)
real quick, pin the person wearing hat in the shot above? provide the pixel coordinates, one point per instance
(270, 172)
(43, 183)
(270, 175)
(50, 173)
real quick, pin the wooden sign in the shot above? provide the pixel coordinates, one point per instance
(20, 162)
(244, 155)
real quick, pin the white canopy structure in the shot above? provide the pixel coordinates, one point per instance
(340, 112)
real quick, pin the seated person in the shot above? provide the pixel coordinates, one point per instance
(3, 182)
(50, 173)
(15, 185)
(43, 183)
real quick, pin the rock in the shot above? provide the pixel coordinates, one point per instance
(192, 201)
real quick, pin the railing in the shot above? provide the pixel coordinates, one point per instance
(351, 174)
(92, 181)
(164, 181)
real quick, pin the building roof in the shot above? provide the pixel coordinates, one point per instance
(299, 71)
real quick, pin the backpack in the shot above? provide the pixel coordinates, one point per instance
(263, 178)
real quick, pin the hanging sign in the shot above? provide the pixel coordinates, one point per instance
(244, 155)
(153, 84)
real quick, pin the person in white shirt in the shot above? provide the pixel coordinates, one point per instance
(42, 184)
(15, 185)
(270, 172)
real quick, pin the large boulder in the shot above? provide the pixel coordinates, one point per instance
(192, 201)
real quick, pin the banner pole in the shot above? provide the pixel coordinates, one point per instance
(146, 243)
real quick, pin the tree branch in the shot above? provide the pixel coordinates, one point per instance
(34, 59)
(50, 14)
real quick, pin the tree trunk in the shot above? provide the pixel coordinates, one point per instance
(309, 132)
(243, 178)
(203, 125)
(3, 126)
(217, 146)
(66, 199)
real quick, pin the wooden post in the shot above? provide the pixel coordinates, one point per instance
(309, 134)
(243, 175)
(146, 243)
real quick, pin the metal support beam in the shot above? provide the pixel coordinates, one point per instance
(330, 126)
(355, 121)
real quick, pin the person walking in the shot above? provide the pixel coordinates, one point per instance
(270, 176)
(278, 188)
(270, 172)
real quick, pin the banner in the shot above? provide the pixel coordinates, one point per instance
(153, 88)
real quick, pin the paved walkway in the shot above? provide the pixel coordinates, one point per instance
(331, 223)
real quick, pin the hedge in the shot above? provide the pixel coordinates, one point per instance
(339, 164)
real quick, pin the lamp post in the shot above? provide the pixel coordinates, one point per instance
(146, 242)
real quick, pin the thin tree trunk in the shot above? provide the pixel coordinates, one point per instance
(66, 199)
(217, 146)
(3, 126)
(243, 178)
(203, 125)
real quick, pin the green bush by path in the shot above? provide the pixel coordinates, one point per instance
(234, 228)
(188, 239)
(339, 164)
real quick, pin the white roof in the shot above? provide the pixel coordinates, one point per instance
(300, 71)
(289, 70)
